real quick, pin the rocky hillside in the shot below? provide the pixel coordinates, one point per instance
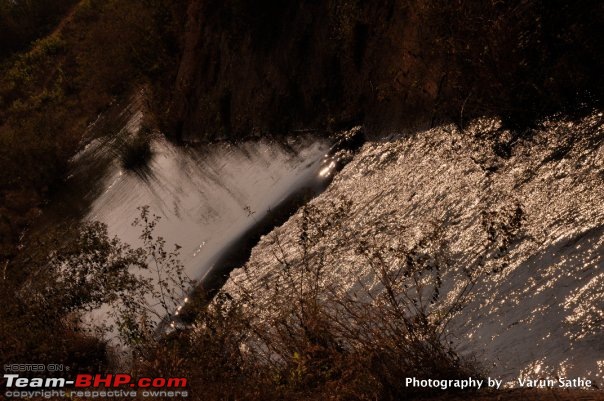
(266, 67)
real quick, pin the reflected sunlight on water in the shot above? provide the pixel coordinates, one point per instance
(539, 308)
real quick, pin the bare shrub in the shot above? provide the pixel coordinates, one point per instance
(361, 344)
(142, 311)
(297, 335)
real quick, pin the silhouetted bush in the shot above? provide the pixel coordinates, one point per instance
(76, 268)
(299, 337)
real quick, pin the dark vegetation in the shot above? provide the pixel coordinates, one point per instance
(86, 269)
(95, 53)
(262, 67)
(21, 22)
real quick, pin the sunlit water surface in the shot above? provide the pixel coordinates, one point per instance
(538, 311)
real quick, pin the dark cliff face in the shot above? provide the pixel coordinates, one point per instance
(264, 66)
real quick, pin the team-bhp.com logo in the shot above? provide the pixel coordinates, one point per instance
(95, 386)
